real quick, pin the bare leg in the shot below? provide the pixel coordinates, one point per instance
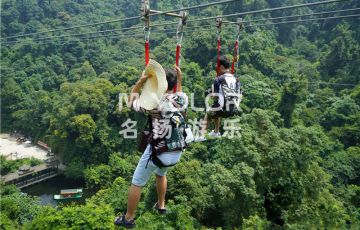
(161, 184)
(204, 126)
(217, 124)
(133, 200)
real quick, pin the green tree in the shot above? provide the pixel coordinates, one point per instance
(75, 169)
(74, 217)
(98, 176)
(19, 207)
(82, 128)
(293, 92)
(86, 71)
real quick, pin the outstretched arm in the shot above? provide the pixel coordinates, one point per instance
(137, 87)
(179, 79)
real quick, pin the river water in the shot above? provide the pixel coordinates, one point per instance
(47, 189)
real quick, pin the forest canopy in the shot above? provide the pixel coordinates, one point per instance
(296, 164)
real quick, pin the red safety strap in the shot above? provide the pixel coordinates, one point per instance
(147, 52)
(177, 60)
(218, 57)
(235, 56)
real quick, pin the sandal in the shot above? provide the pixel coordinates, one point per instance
(121, 221)
(161, 211)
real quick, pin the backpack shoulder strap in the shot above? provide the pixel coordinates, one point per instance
(148, 122)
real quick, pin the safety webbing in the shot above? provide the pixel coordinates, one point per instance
(218, 57)
(177, 60)
(147, 52)
(235, 58)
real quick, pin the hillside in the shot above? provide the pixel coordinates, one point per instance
(296, 164)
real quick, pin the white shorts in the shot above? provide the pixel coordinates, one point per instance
(142, 172)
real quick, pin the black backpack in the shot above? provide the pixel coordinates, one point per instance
(175, 143)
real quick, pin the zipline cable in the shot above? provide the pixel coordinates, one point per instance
(209, 27)
(73, 27)
(266, 24)
(179, 38)
(80, 39)
(329, 83)
(97, 32)
(301, 15)
(304, 20)
(186, 8)
(172, 23)
(309, 82)
(120, 19)
(201, 6)
(269, 10)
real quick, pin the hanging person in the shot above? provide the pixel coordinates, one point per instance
(165, 109)
(227, 96)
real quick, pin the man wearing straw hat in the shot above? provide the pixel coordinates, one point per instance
(163, 100)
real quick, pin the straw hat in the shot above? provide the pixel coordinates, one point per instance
(154, 87)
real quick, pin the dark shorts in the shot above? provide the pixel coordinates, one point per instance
(213, 114)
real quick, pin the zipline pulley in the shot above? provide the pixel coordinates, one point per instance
(219, 22)
(179, 36)
(240, 27)
(180, 28)
(145, 16)
(146, 13)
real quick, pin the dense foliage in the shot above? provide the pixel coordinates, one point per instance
(10, 166)
(295, 166)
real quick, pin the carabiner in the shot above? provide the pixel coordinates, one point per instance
(179, 37)
(179, 33)
(146, 33)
